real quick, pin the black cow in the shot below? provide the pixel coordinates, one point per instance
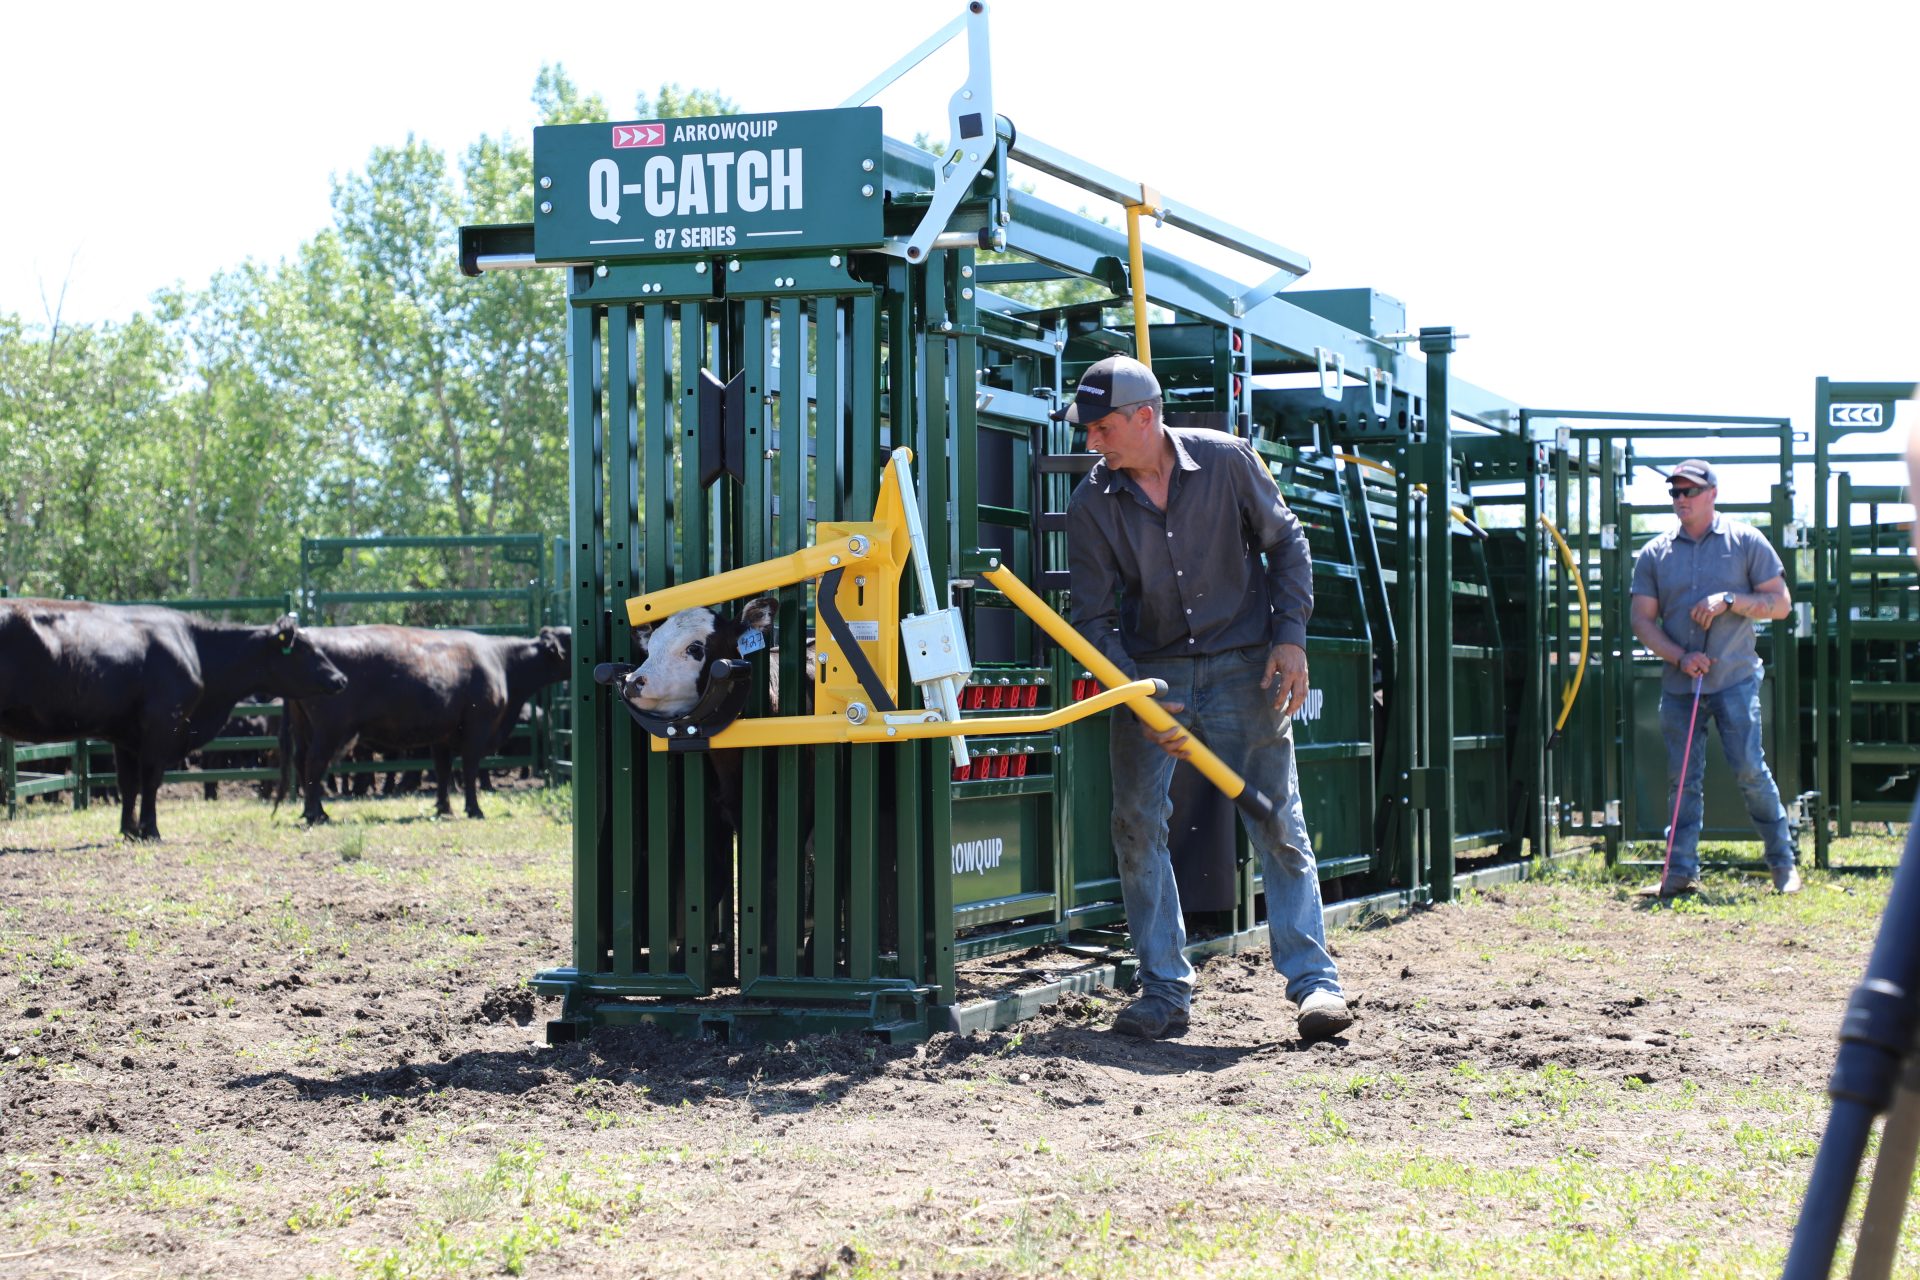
(413, 687)
(154, 682)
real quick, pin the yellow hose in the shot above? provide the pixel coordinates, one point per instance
(1579, 585)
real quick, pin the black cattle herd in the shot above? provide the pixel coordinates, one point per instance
(159, 684)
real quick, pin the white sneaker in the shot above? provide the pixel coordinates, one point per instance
(1323, 1015)
(1786, 879)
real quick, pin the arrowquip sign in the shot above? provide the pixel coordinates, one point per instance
(705, 185)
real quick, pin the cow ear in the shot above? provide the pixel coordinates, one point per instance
(285, 630)
(760, 613)
(640, 636)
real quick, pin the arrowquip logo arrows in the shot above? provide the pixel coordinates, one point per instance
(639, 135)
(1854, 415)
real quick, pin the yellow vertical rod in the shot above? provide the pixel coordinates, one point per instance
(1137, 274)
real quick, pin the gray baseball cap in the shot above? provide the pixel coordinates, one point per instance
(1697, 471)
(1114, 383)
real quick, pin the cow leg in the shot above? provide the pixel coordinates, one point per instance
(312, 771)
(211, 790)
(442, 772)
(472, 752)
(126, 770)
(151, 770)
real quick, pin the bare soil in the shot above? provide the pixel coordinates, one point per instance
(258, 1050)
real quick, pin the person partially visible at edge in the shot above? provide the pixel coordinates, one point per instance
(1697, 591)
(1187, 566)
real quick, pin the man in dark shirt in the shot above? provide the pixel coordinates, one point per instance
(1188, 567)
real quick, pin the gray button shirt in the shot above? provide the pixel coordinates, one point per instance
(1188, 581)
(1679, 572)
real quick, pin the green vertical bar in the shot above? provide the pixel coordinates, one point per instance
(947, 427)
(790, 848)
(691, 528)
(827, 480)
(1539, 706)
(1844, 598)
(1565, 784)
(657, 535)
(1786, 648)
(623, 480)
(1617, 703)
(910, 799)
(585, 586)
(862, 484)
(1819, 539)
(753, 549)
(1437, 344)
(1406, 676)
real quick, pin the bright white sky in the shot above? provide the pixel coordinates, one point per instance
(1676, 206)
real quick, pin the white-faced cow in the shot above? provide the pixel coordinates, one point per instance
(154, 682)
(451, 691)
(676, 666)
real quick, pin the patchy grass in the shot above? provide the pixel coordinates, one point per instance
(257, 1049)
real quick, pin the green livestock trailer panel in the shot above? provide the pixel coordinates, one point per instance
(752, 332)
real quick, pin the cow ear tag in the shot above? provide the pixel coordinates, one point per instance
(752, 640)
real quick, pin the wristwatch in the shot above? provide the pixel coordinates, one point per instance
(1727, 598)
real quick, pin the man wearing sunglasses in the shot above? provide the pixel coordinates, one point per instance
(1188, 567)
(1697, 591)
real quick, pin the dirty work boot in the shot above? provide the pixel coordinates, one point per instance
(1150, 1018)
(1671, 887)
(1786, 879)
(1323, 1015)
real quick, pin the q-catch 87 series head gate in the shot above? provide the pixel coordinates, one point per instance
(802, 367)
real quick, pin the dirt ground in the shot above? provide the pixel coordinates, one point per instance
(258, 1050)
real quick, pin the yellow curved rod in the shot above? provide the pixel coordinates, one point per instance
(1573, 570)
(1586, 620)
(1458, 514)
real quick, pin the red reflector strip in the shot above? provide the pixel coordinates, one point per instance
(1000, 766)
(1019, 766)
(961, 772)
(995, 696)
(1033, 696)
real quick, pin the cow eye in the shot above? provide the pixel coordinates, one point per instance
(697, 651)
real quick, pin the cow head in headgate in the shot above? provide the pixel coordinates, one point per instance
(292, 664)
(680, 654)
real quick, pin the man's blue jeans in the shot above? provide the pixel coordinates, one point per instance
(1228, 710)
(1736, 710)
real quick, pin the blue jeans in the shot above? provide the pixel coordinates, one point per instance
(1736, 710)
(1228, 710)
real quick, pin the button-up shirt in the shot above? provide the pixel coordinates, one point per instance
(1680, 572)
(1225, 566)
